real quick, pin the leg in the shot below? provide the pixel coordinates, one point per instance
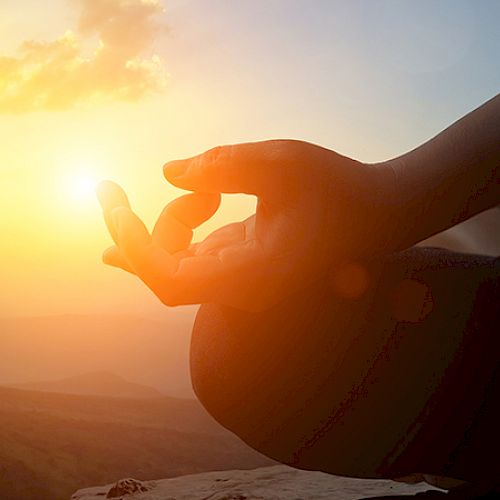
(402, 380)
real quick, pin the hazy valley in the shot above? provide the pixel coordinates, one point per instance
(87, 400)
(52, 444)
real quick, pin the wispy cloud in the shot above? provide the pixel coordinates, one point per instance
(58, 75)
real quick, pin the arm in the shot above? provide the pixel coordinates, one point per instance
(316, 210)
(451, 177)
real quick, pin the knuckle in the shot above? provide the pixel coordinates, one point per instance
(283, 154)
(209, 163)
(214, 155)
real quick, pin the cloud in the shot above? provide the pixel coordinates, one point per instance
(58, 75)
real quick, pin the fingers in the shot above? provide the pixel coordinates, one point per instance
(113, 257)
(136, 244)
(227, 235)
(133, 236)
(170, 269)
(237, 277)
(174, 229)
(210, 278)
(110, 196)
(261, 168)
(194, 209)
(183, 278)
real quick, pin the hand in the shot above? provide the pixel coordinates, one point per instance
(171, 236)
(315, 209)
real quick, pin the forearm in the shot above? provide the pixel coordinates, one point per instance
(450, 178)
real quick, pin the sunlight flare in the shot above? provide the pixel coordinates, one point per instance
(81, 187)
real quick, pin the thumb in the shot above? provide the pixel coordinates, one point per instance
(259, 168)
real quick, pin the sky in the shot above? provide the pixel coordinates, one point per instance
(99, 89)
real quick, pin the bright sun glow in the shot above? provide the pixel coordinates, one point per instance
(82, 186)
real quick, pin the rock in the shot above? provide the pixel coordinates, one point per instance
(267, 483)
(125, 487)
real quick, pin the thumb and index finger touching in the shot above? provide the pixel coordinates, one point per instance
(253, 168)
(173, 231)
(246, 168)
(176, 280)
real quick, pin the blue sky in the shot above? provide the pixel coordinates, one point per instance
(391, 73)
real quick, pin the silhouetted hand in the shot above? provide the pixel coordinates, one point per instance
(315, 209)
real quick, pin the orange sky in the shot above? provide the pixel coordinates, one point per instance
(52, 235)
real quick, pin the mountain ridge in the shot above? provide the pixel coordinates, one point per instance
(149, 351)
(98, 383)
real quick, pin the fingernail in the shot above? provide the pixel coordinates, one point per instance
(100, 191)
(111, 195)
(174, 168)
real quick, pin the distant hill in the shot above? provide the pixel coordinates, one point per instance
(54, 444)
(152, 352)
(101, 383)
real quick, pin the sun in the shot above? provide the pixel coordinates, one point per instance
(81, 186)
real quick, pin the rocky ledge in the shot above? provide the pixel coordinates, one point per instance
(268, 483)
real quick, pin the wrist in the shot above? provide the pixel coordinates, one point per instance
(388, 204)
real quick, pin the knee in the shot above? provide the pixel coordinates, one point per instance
(259, 375)
(212, 372)
(225, 369)
(239, 375)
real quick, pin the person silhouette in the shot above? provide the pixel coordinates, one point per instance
(326, 340)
